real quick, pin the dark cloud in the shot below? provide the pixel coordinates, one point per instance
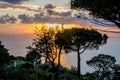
(25, 18)
(49, 6)
(14, 1)
(7, 19)
(58, 14)
(50, 16)
(6, 6)
(47, 15)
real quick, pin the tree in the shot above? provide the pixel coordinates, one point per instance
(50, 42)
(84, 39)
(45, 45)
(20, 58)
(4, 55)
(102, 64)
(4, 58)
(63, 41)
(116, 72)
(30, 56)
(107, 9)
(27, 66)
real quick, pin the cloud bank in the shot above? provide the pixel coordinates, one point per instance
(14, 1)
(7, 19)
(48, 14)
(10, 6)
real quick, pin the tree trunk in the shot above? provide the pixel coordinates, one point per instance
(56, 77)
(59, 55)
(79, 65)
(53, 66)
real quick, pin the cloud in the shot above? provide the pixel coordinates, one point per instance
(14, 1)
(25, 18)
(58, 14)
(7, 19)
(8, 6)
(49, 6)
(48, 16)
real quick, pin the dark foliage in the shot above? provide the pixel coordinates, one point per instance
(107, 9)
(4, 59)
(84, 39)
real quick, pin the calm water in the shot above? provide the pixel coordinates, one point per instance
(17, 46)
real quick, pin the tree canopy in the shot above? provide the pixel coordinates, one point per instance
(84, 39)
(49, 44)
(107, 9)
(102, 64)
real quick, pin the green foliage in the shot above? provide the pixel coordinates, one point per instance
(44, 75)
(90, 76)
(21, 74)
(20, 58)
(72, 71)
(46, 67)
(26, 73)
(70, 74)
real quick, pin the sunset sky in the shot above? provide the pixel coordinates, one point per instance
(20, 16)
(18, 19)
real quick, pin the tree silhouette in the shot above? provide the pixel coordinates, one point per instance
(30, 56)
(50, 43)
(63, 41)
(43, 45)
(4, 55)
(84, 39)
(107, 9)
(116, 72)
(102, 64)
(4, 59)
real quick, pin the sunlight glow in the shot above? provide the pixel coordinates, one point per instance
(60, 26)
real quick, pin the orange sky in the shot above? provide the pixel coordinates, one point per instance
(29, 28)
